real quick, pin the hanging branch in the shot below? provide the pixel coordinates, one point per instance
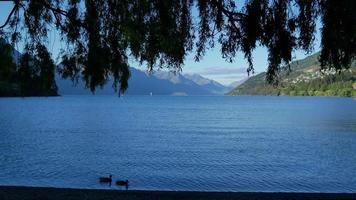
(9, 16)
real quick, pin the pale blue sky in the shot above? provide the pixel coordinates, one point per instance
(211, 66)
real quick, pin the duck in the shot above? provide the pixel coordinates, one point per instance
(123, 183)
(105, 179)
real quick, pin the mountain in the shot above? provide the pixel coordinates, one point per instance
(211, 85)
(237, 83)
(304, 79)
(157, 83)
(140, 83)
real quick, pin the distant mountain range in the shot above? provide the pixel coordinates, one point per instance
(304, 79)
(142, 83)
(156, 83)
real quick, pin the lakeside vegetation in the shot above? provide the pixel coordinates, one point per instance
(28, 75)
(303, 79)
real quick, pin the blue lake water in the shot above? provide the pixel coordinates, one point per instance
(180, 143)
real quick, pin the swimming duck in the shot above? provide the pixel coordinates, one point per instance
(123, 183)
(105, 179)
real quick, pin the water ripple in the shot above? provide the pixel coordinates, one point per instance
(192, 143)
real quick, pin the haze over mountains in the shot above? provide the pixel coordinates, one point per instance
(157, 83)
(142, 83)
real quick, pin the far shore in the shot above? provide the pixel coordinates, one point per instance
(37, 193)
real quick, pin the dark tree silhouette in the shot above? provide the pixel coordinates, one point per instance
(7, 64)
(101, 34)
(36, 73)
(46, 80)
(26, 73)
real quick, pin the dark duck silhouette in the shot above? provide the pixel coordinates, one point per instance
(123, 183)
(105, 179)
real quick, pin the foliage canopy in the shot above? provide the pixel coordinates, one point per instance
(100, 35)
(31, 75)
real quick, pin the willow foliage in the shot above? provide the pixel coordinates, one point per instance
(100, 35)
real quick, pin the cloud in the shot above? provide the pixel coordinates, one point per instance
(223, 71)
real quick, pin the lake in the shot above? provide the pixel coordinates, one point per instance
(204, 143)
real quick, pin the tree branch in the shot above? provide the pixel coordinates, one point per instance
(228, 13)
(55, 10)
(9, 16)
(231, 15)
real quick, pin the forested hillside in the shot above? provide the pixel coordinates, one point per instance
(303, 79)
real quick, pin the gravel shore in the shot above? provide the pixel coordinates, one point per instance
(43, 193)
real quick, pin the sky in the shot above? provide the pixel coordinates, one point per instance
(212, 66)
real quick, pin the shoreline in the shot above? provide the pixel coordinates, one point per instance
(51, 193)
